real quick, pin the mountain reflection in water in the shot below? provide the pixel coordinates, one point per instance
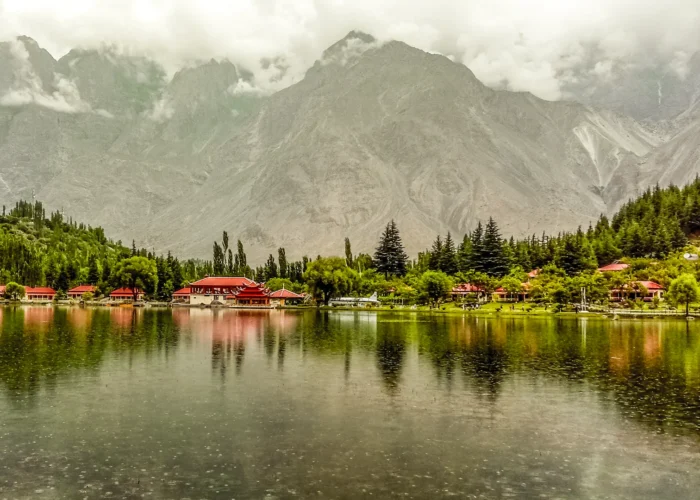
(223, 403)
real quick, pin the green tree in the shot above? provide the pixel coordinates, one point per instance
(283, 265)
(14, 291)
(684, 290)
(390, 257)
(511, 285)
(275, 284)
(138, 272)
(93, 271)
(491, 254)
(329, 277)
(218, 255)
(348, 253)
(435, 286)
(448, 261)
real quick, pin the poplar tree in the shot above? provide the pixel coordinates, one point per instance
(348, 252)
(282, 260)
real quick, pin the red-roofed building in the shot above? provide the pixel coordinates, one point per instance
(613, 268)
(521, 296)
(285, 297)
(533, 273)
(464, 290)
(212, 288)
(645, 290)
(39, 293)
(126, 294)
(2, 291)
(77, 292)
(182, 296)
(252, 295)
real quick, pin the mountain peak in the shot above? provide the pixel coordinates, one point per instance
(352, 40)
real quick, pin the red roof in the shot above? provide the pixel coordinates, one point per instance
(253, 291)
(615, 266)
(223, 282)
(285, 294)
(466, 288)
(2, 289)
(533, 273)
(125, 292)
(40, 291)
(83, 289)
(183, 291)
(650, 285)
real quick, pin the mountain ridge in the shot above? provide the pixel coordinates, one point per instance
(375, 130)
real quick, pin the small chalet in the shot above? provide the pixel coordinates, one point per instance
(251, 295)
(521, 296)
(285, 297)
(464, 290)
(77, 292)
(39, 293)
(613, 268)
(182, 296)
(644, 290)
(125, 295)
(213, 288)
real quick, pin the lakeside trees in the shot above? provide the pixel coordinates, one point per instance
(684, 290)
(648, 233)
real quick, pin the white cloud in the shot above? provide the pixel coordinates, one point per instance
(28, 88)
(162, 110)
(521, 44)
(246, 88)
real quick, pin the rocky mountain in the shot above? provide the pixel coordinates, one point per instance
(374, 131)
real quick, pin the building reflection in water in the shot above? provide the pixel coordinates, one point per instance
(651, 367)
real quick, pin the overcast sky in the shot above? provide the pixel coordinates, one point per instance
(526, 45)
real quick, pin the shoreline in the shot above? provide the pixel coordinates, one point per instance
(613, 316)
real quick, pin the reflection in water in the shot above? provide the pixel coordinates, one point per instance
(390, 403)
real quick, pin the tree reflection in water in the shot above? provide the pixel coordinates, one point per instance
(650, 370)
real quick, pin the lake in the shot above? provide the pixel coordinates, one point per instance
(189, 403)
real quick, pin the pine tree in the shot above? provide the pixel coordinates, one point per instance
(93, 271)
(491, 256)
(448, 263)
(390, 257)
(465, 254)
(477, 249)
(435, 260)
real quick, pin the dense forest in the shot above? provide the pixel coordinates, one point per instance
(36, 250)
(652, 229)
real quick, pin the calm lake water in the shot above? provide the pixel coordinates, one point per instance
(124, 403)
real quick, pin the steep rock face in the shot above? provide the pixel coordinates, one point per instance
(373, 132)
(379, 132)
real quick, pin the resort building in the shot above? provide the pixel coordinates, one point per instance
(125, 295)
(77, 292)
(644, 290)
(613, 268)
(251, 295)
(466, 290)
(182, 296)
(39, 293)
(212, 288)
(285, 297)
(2, 291)
(521, 296)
